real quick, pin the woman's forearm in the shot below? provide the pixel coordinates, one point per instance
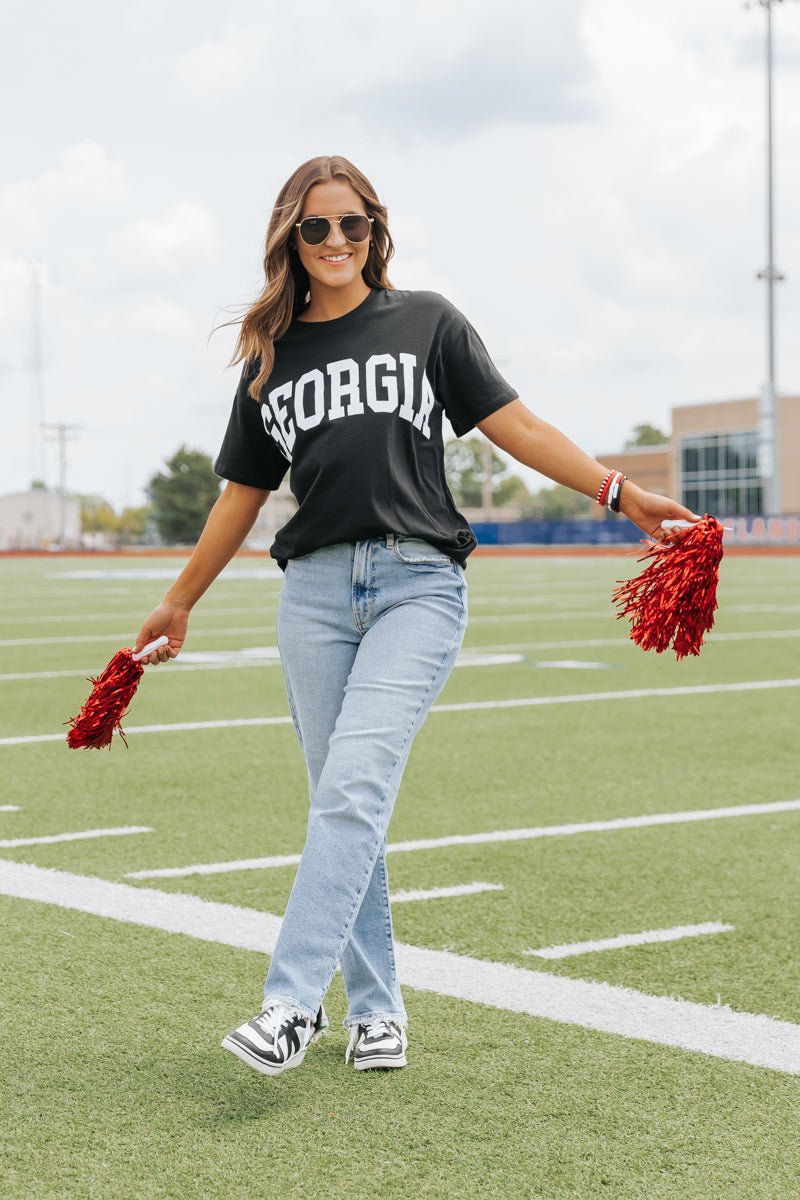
(535, 443)
(228, 524)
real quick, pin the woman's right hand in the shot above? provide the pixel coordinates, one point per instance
(164, 619)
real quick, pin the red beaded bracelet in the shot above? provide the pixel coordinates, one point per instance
(601, 491)
(609, 490)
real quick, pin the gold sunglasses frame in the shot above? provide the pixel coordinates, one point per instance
(338, 220)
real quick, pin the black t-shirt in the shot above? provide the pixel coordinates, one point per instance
(355, 406)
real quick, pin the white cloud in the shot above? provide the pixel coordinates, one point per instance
(83, 178)
(85, 172)
(218, 68)
(419, 274)
(419, 70)
(479, 66)
(183, 235)
(158, 315)
(16, 292)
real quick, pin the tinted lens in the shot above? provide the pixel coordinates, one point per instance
(355, 227)
(314, 230)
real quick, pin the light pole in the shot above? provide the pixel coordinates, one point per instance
(61, 433)
(768, 402)
(38, 465)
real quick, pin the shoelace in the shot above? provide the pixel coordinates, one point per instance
(272, 1020)
(373, 1029)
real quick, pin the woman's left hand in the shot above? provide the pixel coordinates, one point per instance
(647, 510)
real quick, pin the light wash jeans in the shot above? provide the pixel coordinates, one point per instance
(368, 633)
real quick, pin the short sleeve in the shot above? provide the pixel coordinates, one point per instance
(470, 387)
(248, 454)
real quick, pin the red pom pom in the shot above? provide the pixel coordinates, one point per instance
(107, 703)
(673, 601)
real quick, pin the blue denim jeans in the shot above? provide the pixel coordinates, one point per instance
(368, 633)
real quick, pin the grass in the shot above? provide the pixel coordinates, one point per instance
(113, 1081)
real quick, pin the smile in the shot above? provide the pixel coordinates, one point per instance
(335, 258)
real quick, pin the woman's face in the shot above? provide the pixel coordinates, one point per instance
(336, 263)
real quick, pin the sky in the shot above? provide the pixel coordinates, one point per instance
(584, 179)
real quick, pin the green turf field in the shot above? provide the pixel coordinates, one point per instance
(112, 1078)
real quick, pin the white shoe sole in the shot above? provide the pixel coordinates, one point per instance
(379, 1063)
(256, 1063)
(252, 1060)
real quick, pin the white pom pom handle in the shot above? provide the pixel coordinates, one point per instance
(145, 650)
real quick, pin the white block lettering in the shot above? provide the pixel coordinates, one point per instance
(406, 409)
(309, 420)
(389, 383)
(341, 387)
(428, 401)
(286, 430)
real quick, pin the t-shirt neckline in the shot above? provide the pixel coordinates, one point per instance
(298, 325)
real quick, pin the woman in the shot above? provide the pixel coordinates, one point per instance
(348, 379)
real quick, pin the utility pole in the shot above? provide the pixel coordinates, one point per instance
(37, 464)
(768, 402)
(61, 433)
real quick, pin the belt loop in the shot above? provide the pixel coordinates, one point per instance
(390, 540)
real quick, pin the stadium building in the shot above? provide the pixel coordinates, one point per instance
(710, 462)
(39, 520)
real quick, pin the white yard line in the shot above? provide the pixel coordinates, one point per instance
(716, 1030)
(115, 640)
(13, 843)
(120, 575)
(175, 668)
(180, 727)
(649, 936)
(271, 862)
(17, 676)
(266, 656)
(633, 694)
(510, 648)
(124, 638)
(763, 608)
(557, 615)
(131, 614)
(496, 835)
(442, 893)
(9, 808)
(702, 689)
(586, 643)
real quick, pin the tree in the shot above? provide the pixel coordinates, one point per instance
(183, 495)
(464, 467)
(511, 490)
(132, 524)
(556, 503)
(97, 516)
(645, 435)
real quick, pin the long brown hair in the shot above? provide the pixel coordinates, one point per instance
(286, 287)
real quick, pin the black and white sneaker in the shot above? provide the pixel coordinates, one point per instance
(377, 1044)
(276, 1039)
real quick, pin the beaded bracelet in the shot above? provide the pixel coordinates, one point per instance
(601, 491)
(611, 483)
(610, 490)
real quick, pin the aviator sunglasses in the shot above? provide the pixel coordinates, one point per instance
(315, 230)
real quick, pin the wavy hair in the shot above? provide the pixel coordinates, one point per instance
(286, 287)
